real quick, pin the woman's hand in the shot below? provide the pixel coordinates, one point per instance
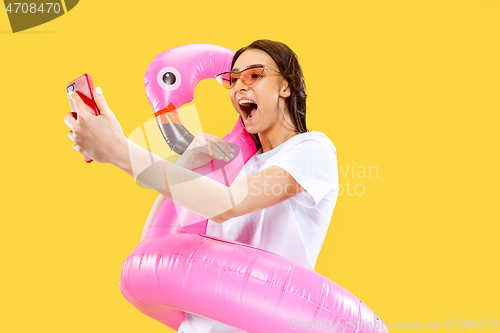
(203, 149)
(94, 136)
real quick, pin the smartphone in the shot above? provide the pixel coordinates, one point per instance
(84, 87)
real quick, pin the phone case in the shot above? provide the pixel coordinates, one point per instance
(84, 87)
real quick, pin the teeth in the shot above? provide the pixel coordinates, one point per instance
(244, 101)
(248, 102)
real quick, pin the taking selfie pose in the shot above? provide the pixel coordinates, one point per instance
(285, 194)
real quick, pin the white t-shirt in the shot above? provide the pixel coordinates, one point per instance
(295, 228)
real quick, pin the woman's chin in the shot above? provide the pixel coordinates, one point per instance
(251, 129)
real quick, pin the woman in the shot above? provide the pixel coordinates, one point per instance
(285, 194)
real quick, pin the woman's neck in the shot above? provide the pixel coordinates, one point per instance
(275, 136)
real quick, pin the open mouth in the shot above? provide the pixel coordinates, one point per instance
(249, 108)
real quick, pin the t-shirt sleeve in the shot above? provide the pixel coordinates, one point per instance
(313, 164)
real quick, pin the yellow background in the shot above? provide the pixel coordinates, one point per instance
(410, 87)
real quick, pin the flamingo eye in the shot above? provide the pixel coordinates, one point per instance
(169, 78)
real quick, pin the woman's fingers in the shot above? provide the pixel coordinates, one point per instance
(77, 149)
(214, 146)
(70, 136)
(70, 120)
(223, 147)
(100, 101)
(216, 151)
(80, 107)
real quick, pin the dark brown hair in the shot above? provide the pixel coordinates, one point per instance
(288, 66)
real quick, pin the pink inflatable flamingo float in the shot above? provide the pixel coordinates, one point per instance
(177, 268)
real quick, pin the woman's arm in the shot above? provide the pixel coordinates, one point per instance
(101, 138)
(249, 203)
(203, 195)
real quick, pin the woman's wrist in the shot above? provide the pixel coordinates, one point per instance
(121, 155)
(182, 162)
(143, 165)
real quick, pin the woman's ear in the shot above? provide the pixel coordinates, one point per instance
(285, 89)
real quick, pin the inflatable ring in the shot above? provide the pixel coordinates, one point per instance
(177, 268)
